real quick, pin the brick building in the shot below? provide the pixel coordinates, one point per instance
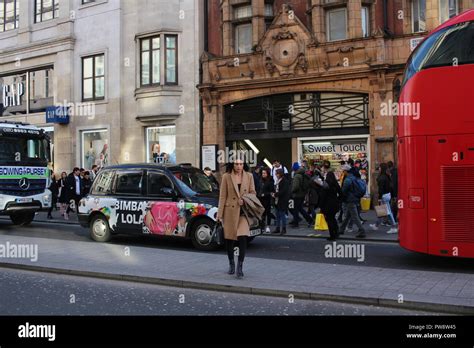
(308, 79)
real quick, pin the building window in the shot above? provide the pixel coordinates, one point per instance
(447, 9)
(243, 29)
(171, 60)
(150, 61)
(269, 14)
(419, 15)
(95, 148)
(93, 77)
(337, 24)
(41, 93)
(365, 16)
(46, 10)
(243, 38)
(242, 12)
(161, 144)
(9, 13)
(26, 92)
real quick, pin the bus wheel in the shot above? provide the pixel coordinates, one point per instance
(100, 229)
(201, 234)
(22, 219)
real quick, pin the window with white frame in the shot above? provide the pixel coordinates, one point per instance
(365, 17)
(448, 9)
(242, 18)
(46, 10)
(9, 14)
(93, 77)
(419, 15)
(155, 52)
(336, 24)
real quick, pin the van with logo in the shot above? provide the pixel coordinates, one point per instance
(148, 199)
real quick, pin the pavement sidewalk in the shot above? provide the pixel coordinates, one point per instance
(303, 231)
(424, 290)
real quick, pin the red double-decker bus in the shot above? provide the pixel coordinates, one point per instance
(436, 143)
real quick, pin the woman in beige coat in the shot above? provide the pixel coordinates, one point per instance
(235, 183)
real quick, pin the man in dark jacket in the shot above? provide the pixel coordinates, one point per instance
(392, 170)
(298, 193)
(74, 188)
(282, 197)
(351, 200)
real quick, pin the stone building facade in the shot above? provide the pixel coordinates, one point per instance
(126, 69)
(308, 79)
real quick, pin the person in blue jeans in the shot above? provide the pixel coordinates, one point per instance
(282, 198)
(351, 201)
(384, 189)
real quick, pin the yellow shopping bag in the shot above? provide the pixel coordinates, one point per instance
(365, 203)
(321, 224)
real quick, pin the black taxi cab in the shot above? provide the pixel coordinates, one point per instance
(149, 199)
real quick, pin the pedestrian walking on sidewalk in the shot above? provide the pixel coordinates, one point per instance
(265, 195)
(73, 190)
(235, 183)
(62, 195)
(384, 193)
(330, 203)
(299, 190)
(53, 187)
(351, 200)
(282, 198)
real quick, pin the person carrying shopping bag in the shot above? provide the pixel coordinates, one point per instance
(236, 182)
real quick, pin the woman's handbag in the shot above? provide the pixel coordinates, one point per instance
(381, 210)
(321, 224)
(218, 234)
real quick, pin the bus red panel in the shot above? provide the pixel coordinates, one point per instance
(451, 195)
(412, 172)
(442, 97)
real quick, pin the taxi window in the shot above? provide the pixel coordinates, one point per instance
(160, 185)
(103, 183)
(128, 182)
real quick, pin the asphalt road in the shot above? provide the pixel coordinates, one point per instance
(34, 293)
(377, 254)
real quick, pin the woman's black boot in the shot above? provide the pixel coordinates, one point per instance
(240, 274)
(231, 267)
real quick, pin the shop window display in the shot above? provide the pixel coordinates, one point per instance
(95, 148)
(337, 153)
(161, 144)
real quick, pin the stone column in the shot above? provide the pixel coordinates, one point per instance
(432, 15)
(258, 20)
(65, 142)
(26, 19)
(227, 38)
(318, 20)
(354, 9)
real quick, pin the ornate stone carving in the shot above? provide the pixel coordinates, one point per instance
(302, 62)
(271, 68)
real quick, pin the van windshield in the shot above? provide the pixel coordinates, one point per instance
(21, 150)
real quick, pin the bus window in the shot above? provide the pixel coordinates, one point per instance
(447, 47)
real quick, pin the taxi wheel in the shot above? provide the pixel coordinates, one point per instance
(100, 229)
(201, 235)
